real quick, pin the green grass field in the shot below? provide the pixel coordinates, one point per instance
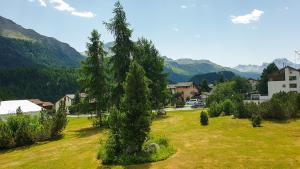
(225, 143)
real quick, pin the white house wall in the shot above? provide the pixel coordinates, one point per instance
(284, 86)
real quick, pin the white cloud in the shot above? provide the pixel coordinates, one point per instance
(84, 14)
(42, 3)
(286, 8)
(175, 29)
(183, 6)
(61, 5)
(248, 18)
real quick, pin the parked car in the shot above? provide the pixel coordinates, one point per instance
(192, 101)
(200, 103)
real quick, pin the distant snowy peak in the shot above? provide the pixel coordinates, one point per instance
(280, 63)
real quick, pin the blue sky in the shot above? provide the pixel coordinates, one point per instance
(227, 32)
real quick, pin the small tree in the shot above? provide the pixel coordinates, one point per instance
(59, 120)
(203, 118)
(19, 111)
(93, 79)
(204, 86)
(256, 120)
(228, 107)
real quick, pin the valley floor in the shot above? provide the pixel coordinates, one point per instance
(225, 143)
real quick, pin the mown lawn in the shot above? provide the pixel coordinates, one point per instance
(225, 143)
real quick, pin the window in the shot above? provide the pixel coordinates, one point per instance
(293, 78)
(293, 85)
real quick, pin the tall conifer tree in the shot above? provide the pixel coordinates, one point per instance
(137, 117)
(93, 78)
(122, 48)
(149, 58)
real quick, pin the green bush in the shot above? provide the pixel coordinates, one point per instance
(215, 109)
(22, 128)
(108, 155)
(203, 118)
(6, 136)
(228, 107)
(256, 120)
(241, 111)
(163, 141)
(180, 102)
(59, 123)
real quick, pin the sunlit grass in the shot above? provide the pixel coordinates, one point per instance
(224, 143)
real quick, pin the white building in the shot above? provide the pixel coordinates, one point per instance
(284, 80)
(68, 99)
(10, 107)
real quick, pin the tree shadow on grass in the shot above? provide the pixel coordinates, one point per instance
(87, 132)
(158, 118)
(278, 121)
(142, 165)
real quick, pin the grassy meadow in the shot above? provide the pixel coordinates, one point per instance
(224, 143)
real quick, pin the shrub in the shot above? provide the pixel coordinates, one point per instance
(204, 118)
(163, 141)
(22, 128)
(228, 107)
(59, 123)
(241, 111)
(6, 136)
(256, 120)
(215, 109)
(180, 102)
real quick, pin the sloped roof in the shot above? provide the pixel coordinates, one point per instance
(184, 84)
(71, 96)
(10, 107)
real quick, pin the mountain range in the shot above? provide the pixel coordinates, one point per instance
(20, 47)
(185, 69)
(280, 63)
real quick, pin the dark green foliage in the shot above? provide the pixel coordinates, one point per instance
(204, 86)
(76, 102)
(44, 84)
(212, 77)
(228, 97)
(263, 83)
(23, 130)
(6, 136)
(228, 107)
(221, 79)
(148, 57)
(221, 92)
(93, 79)
(19, 111)
(163, 141)
(137, 118)
(282, 106)
(215, 109)
(59, 120)
(241, 85)
(256, 120)
(241, 111)
(203, 118)
(121, 49)
(113, 146)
